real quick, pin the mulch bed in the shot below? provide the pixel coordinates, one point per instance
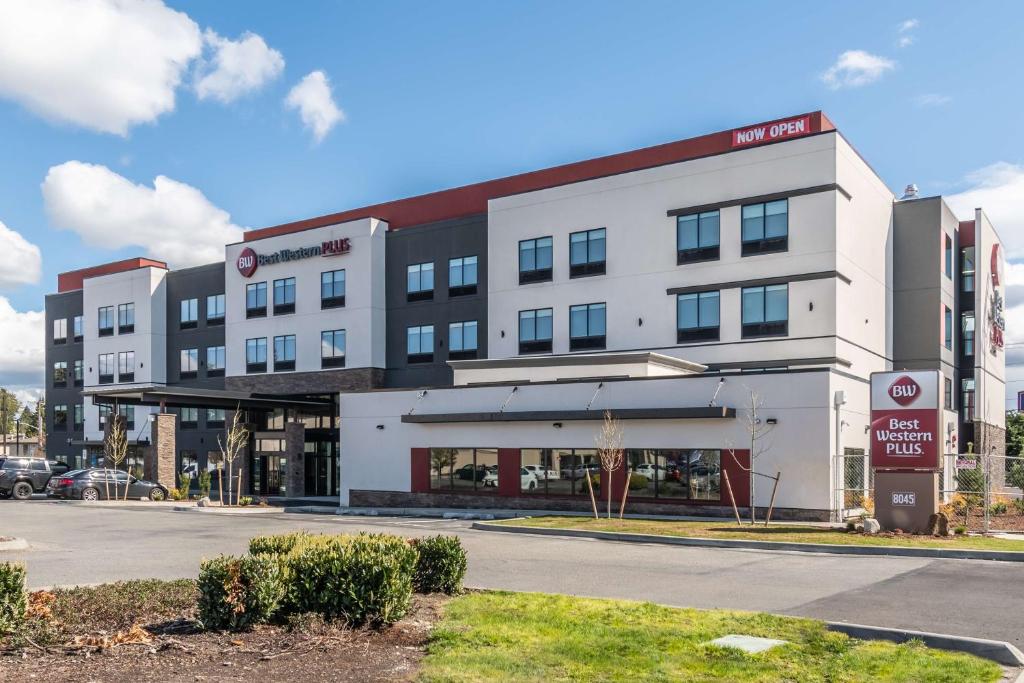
(1011, 521)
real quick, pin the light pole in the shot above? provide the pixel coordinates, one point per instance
(17, 437)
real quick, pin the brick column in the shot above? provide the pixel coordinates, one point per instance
(159, 461)
(295, 452)
(509, 479)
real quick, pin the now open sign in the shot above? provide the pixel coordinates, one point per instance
(771, 132)
(905, 419)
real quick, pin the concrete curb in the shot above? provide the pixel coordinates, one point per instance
(877, 550)
(995, 650)
(14, 544)
(228, 511)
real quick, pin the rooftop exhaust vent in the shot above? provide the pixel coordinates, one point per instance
(910, 192)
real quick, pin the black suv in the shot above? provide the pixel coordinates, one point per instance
(21, 477)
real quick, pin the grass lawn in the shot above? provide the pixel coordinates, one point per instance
(775, 532)
(532, 637)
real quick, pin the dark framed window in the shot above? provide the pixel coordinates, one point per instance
(535, 330)
(332, 289)
(78, 373)
(947, 328)
(60, 417)
(60, 331)
(189, 318)
(126, 318)
(967, 269)
(256, 300)
(284, 352)
(462, 276)
(420, 282)
(128, 413)
(463, 469)
(78, 323)
(256, 355)
(947, 394)
(698, 237)
(189, 418)
(284, 296)
(535, 259)
(106, 368)
(79, 417)
(587, 327)
(215, 418)
(215, 310)
(558, 471)
(126, 366)
(587, 253)
(967, 332)
(105, 411)
(967, 399)
(420, 344)
(60, 373)
(947, 256)
(765, 227)
(215, 361)
(105, 321)
(765, 311)
(697, 316)
(462, 340)
(332, 349)
(189, 363)
(675, 474)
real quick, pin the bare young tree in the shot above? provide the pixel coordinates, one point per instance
(441, 458)
(235, 441)
(756, 429)
(609, 450)
(115, 448)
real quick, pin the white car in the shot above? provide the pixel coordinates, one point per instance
(527, 479)
(541, 472)
(651, 471)
(580, 471)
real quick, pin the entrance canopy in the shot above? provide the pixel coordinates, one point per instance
(185, 397)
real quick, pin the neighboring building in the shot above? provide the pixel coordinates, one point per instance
(663, 283)
(14, 445)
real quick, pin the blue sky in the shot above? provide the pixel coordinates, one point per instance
(415, 97)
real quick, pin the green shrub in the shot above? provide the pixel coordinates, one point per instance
(637, 482)
(998, 508)
(245, 501)
(1018, 505)
(1015, 474)
(440, 566)
(181, 493)
(237, 592)
(13, 599)
(204, 483)
(960, 530)
(278, 544)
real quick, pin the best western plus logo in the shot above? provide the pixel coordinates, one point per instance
(249, 260)
(904, 391)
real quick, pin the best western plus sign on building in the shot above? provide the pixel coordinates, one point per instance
(905, 420)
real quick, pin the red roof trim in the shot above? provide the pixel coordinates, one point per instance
(469, 200)
(72, 280)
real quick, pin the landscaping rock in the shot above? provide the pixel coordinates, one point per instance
(871, 526)
(204, 502)
(748, 644)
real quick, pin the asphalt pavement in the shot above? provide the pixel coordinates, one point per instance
(80, 544)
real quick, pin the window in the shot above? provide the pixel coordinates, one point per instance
(188, 367)
(947, 328)
(79, 328)
(256, 300)
(126, 366)
(215, 361)
(284, 296)
(60, 417)
(462, 340)
(765, 227)
(106, 368)
(60, 374)
(697, 316)
(558, 471)
(105, 318)
(188, 463)
(765, 311)
(284, 352)
(462, 276)
(104, 415)
(587, 253)
(78, 373)
(128, 413)
(680, 474)
(535, 331)
(125, 318)
(697, 237)
(189, 418)
(79, 417)
(586, 327)
(967, 269)
(60, 331)
(332, 349)
(189, 314)
(967, 399)
(967, 332)
(420, 282)
(948, 256)
(420, 344)
(215, 309)
(215, 418)
(535, 260)
(947, 394)
(332, 289)
(256, 355)
(464, 469)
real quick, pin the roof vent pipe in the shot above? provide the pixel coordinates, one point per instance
(910, 192)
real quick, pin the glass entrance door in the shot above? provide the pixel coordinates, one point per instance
(268, 475)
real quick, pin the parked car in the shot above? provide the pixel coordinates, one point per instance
(469, 473)
(21, 477)
(527, 479)
(652, 471)
(541, 472)
(57, 467)
(97, 483)
(579, 471)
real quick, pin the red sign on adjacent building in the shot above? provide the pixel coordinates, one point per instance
(247, 262)
(770, 132)
(905, 420)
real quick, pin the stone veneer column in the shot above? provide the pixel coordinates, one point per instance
(295, 453)
(159, 459)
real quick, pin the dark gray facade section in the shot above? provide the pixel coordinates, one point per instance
(62, 306)
(437, 243)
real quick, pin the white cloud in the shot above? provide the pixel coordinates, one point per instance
(171, 220)
(312, 97)
(999, 190)
(238, 67)
(932, 100)
(22, 340)
(106, 65)
(856, 68)
(908, 25)
(905, 39)
(20, 260)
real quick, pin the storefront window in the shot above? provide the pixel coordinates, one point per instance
(464, 469)
(686, 474)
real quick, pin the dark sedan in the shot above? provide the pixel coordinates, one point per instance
(98, 484)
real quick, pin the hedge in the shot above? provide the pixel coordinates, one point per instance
(238, 592)
(440, 565)
(13, 599)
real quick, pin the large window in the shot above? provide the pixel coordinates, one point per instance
(535, 260)
(78, 323)
(105, 321)
(765, 311)
(106, 368)
(420, 344)
(60, 373)
(128, 413)
(464, 469)
(947, 255)
(462, 276)
(60, 417)
(697, 316)
(559, 471)
(126, 366)
(78, 372)
(697, 237)
(967, 269)
(189, 367)
(587, 327)
(215, 361)
(126, 318)
(967, 332)
(60, 331)
(256, 300)
(284, 352)
(420, 282)
(189, 314)
(332, 289)
(215, 418)
(947, 328)
(462, 340)
(332, 349)
(284, 296)
(189, 418)
(79, 417)
(947, 394)
(535, 331)
(967, 399)
(215, 309)
(256, 355)
(765, 227)
(587, 253)
(683, 474)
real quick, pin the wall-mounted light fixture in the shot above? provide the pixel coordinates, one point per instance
(556, 425)
(503, 334)
(639, 322)
(380, 426)
(772, 420)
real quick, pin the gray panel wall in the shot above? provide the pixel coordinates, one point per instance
(436, 242)
(66, 305)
